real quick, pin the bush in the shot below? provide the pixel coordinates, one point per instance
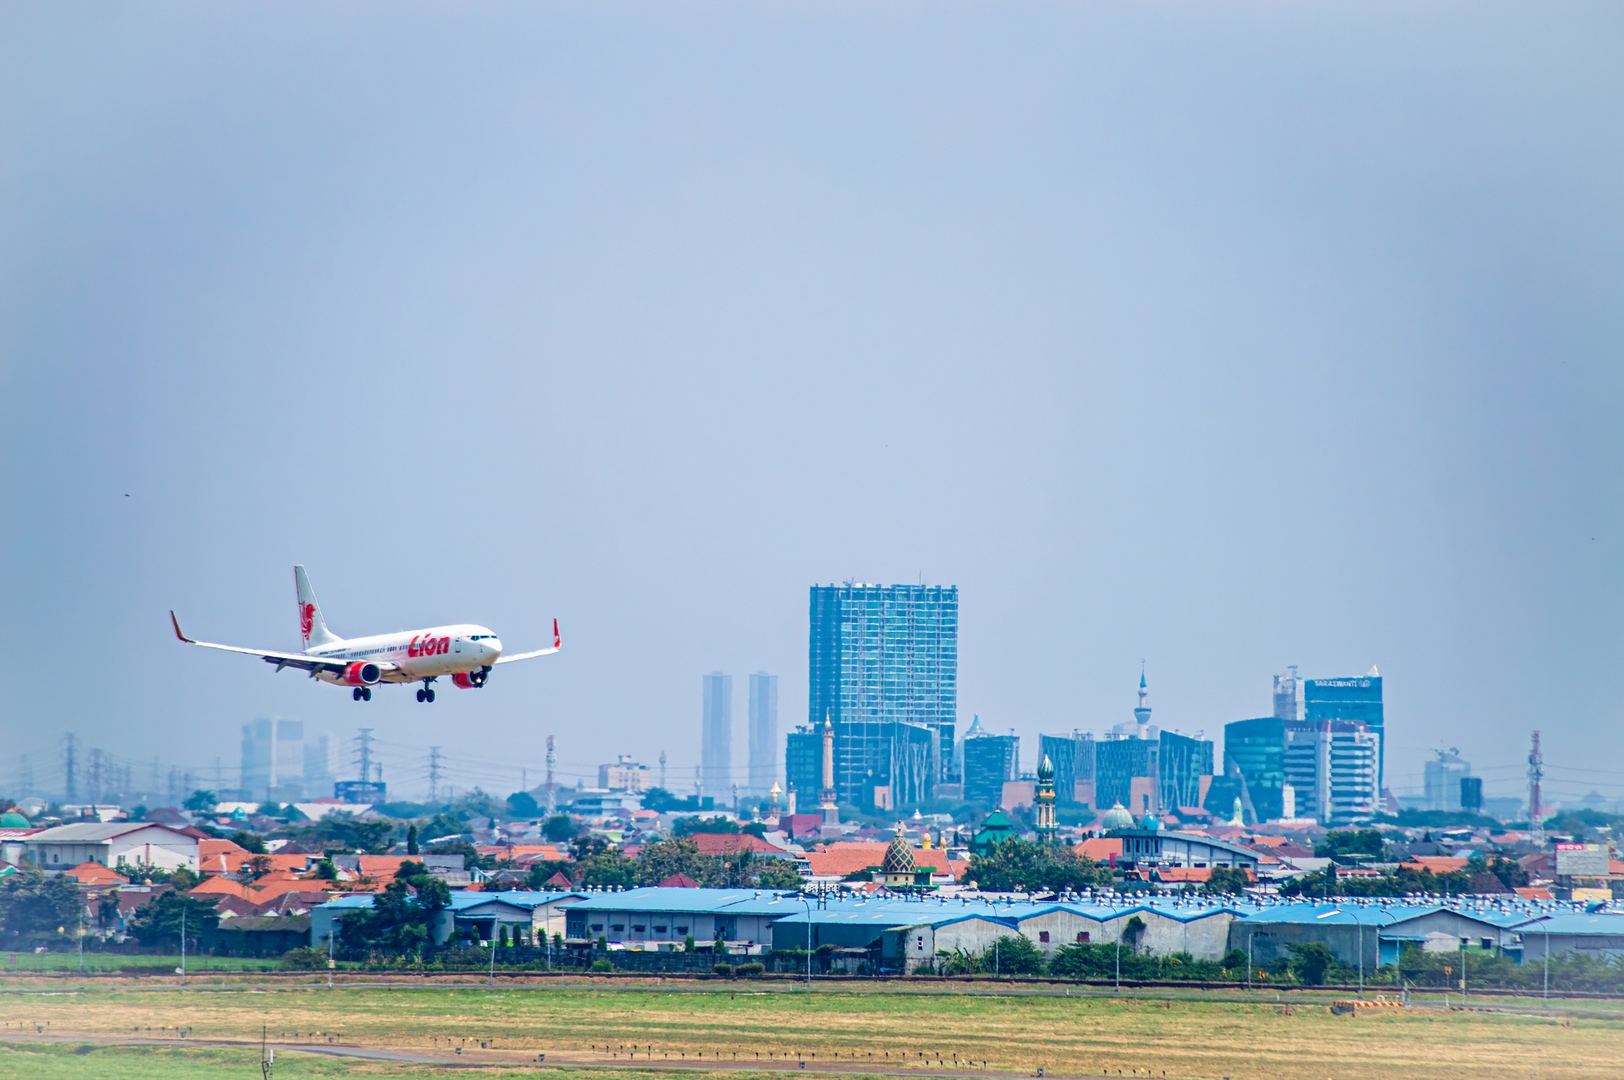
(724, 969)
(303, 959)
(602, 965)
(752, 970)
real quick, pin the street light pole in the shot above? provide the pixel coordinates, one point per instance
(183, 941)
(808, 905)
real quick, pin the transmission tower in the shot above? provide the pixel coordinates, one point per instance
(1536, 809)
(434, 774)
(95, 786)
(552, 796)
(364, 754)
(68, 767)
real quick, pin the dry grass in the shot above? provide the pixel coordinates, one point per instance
(1068, 1036)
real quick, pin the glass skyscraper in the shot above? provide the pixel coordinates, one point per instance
(881, 658)
(1355, 698)
(763, 732)
(716, 736)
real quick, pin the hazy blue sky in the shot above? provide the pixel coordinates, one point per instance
(1224, 336)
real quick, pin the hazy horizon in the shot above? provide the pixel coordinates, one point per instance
(1218, 338)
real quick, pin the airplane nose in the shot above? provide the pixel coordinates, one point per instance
(494, 644)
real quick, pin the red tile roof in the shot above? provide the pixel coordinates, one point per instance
(1099, 848)
(221, 856)
(679, 881)
(94, 873)
(732, 843)
(1438, 864)
(849, 857)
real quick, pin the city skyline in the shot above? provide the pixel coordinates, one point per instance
(1222, 340)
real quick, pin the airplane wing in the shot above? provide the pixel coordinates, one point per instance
(558, 643)
(280, 659)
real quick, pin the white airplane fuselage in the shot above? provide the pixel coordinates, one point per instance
(415, 654)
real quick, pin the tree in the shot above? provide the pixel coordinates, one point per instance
(522, 804)
(411, 840)
(607, 868)
(1025, 864)
(1339, 843)
(403, 914)
(675, 855)
(251, 842)
(1226, 880)
(662, 801)
(558, 828)
(34, 904)
(258, 867)
(1012, 955)
(542, 872)
(1134, 932)
(689, 825)
(200, 801)
(158, 921)
(779, 874)
(374, 837)
(1311, 961)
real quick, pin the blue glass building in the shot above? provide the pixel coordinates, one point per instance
(1357, 698)
(880, 656)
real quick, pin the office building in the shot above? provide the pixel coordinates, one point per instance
(624, 774)
(763, 732)
(318, 767)
(1255, 751)
(1442, 777)
(1182, 763)
(1471, 794)
(273, 757)
(1127, 771)
(716, 746)
(1285, 695)
(1073, 759)
(803, 765)
(1355, 698)
(881, 659)
(990, 761)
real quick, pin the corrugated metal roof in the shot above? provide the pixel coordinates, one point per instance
(654, 898)
(93, 832)
(1606, 923)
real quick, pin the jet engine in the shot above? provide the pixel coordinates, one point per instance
(470, 680)
(362, 673)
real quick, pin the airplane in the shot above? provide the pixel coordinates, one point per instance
(463, 651)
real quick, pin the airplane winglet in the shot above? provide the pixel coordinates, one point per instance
(178, 634)
(558, 642)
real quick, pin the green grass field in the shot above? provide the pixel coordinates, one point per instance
(28, 962)
(835, 1029)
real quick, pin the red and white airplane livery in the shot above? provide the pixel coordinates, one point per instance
(465, 652)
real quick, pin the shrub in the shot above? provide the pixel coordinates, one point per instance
(602, 965)
(752, 970)
(303, 959)
(723, 969)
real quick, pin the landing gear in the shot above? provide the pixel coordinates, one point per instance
(361, 693)
(427, 693)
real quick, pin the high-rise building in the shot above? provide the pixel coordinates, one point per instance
(803, 765)
(1073, 759)
(1350, 783)
(1285, 695)
(1124, 769)
(882, 658)
(990, 761)
(1442, 777)
(624, 774)
(763, 732)
(716, 744)
(318, 767)
(257, 750)
(1181, 764)
(1354, 698)
(1257, 750)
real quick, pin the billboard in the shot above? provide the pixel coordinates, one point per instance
(1581, 860)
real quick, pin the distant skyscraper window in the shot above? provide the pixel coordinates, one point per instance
(881, 656)
(990, 761)
(716, 750)
(763, 732)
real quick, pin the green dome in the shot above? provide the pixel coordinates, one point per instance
(1150, 823)
(1118, 817)
(13, 820)
(1046, 769)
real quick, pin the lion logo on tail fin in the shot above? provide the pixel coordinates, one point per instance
(307, 619)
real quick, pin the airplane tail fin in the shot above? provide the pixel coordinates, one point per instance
(312, 627)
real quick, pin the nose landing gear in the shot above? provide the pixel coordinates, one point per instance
(427, 693)
(361, 693)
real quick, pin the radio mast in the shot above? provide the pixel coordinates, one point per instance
(1536, 811)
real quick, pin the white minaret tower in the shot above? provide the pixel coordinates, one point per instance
(1142, 713)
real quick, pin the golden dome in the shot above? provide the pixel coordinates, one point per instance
(899, 857)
